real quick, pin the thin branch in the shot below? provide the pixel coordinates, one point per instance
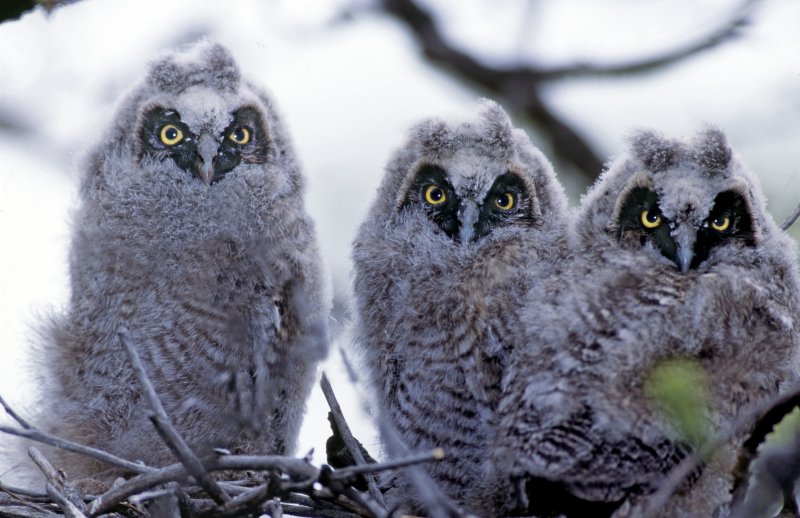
(350, 471)
(165, 428)
(349, 440)
(741, 423)
(21, 491)
(789, 221)
(68, 507)
(10, 411)
(726, 31)
(56, 486)
(247, 500)
(45, 438)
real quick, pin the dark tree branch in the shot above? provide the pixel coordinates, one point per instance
(764, 425)
(521, 86)
(347, 436)
(726, 31)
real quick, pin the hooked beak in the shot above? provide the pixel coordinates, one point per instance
(469, 216)
(685, 236)
(207, 150)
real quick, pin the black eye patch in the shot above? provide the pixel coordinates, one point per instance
(432, 191)
(507, 202)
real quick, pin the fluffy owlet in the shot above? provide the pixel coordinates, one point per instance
(676, 262)
(192, 234)
(465, 215)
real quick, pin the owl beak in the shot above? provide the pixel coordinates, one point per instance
(207, 149)
(469, 216)
(685, 237)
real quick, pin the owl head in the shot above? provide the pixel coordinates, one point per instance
(686, 204)
(465, 183)
(194, 120)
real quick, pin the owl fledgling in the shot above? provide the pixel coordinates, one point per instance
(466, 214)
(192, 234)
(675, 259)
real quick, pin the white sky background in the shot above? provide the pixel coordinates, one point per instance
(349, 89)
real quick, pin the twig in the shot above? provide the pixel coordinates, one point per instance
(350, 471)
(679, 473)
(56, 486)
(789, 221)
(45, 438)
(68, 507)
(10, 411)
(248, 499)
(166, 430)
(21, 491)
(144, 496)
(179, 472)
(348, 438)
(436, 503)
(364, 500)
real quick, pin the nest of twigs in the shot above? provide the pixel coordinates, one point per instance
(269, 484)
(274, 485)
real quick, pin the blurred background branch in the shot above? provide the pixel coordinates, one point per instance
(521, 86)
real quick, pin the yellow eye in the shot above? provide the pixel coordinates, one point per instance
(650, 219)
(721, 223)
(435, 195)
(505, 201)
(170, 135)
(240, 135)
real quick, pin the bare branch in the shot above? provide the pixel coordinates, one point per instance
(67, 498)
(166, 430)
(726, 31)
(21, 491)
(45, 438)
(434, 455)
(436, 502)
(521, 86)
(10, 411)
(348, 438)
(68, 507)
(789, 221)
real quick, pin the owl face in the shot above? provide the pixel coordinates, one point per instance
(688, 204)
(461, 209)
(689, 233)
(204, 150)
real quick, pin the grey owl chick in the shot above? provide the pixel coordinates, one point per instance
(192, 234)
(465, 214)
(675, 257)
